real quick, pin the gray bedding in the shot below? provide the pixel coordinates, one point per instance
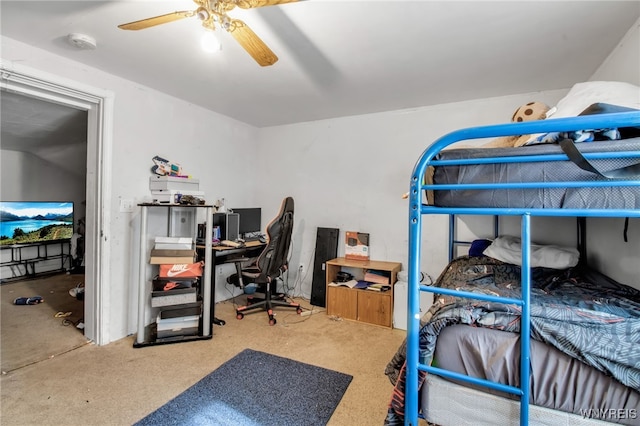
(579, 312)
(557, 380)
(555, 171)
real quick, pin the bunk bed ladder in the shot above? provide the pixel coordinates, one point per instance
(525, 319)
(411, 407)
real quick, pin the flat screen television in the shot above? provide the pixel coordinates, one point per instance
(23, 222)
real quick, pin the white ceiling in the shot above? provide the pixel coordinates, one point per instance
(55, 133)
(336, 58)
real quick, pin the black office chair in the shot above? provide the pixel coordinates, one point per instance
(269, 266)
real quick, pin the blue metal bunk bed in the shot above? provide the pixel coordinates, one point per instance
(418, 208)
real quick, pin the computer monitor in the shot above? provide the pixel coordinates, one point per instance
(250, 221)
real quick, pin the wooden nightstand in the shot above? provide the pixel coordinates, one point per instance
(373, 307)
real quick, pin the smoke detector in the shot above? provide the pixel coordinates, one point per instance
(82, 41)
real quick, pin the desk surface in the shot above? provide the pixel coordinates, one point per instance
(248, 244)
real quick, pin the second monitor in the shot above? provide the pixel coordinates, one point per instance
(250, 226)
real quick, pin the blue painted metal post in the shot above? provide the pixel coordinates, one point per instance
(525, 318)
(413, 311)
(452, 235)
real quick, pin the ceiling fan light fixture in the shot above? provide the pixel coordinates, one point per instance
(213, 15)
(202, 14)
(210, 43)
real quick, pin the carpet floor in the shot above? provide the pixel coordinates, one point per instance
(32, 333)
(118, 384)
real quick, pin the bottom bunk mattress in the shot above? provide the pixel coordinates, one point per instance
(450, 404)
(622, 197)
(558, 381)
(578, 313)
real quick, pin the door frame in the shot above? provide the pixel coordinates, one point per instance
(98, 103)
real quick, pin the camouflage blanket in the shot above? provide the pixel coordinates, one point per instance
(579, 311)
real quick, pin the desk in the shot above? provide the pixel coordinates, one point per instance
(222, 254)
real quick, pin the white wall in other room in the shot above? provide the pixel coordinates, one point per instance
(26, 177)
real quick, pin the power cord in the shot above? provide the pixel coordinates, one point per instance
(299, 279)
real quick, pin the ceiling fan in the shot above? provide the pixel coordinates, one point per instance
(213, 13)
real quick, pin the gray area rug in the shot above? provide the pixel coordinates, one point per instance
(257, 388)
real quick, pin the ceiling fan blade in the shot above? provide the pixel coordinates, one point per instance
(252, 43)
(157, 20)
(250, 4)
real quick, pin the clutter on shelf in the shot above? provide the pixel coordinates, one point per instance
(164, 167)
(170, 185)
(219, 206)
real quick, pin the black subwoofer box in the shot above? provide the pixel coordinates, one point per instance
(326, 249)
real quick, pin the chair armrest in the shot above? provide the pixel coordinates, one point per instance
(239, 259)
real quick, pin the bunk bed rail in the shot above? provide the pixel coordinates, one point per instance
(417, 209)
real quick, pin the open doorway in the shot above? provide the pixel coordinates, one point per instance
(42, 205)
(98, 105)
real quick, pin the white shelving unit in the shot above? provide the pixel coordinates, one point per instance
(145, 335)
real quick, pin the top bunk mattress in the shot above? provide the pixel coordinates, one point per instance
(603, 197)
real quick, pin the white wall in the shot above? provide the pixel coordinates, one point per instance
(607, 249)
(210, 146)
(623, 64)
(350, 173)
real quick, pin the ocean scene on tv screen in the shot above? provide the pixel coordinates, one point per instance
(34, 222)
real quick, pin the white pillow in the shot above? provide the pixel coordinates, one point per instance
(582, 95)
(508, 249)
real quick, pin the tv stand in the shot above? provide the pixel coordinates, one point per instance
(19, 261)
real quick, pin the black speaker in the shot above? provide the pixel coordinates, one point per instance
(220, 220)
(326, 249)
(233, 226)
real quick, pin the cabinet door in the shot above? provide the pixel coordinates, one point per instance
(375, 308)
(342, 302)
